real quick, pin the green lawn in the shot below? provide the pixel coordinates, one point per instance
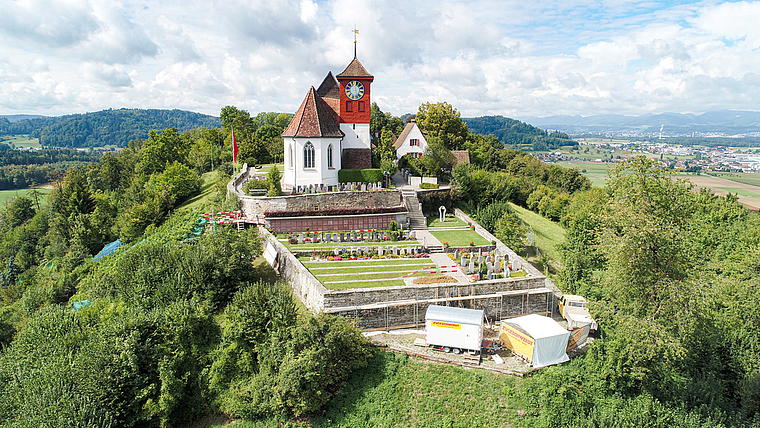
(7, 195)
(459, 238)
(387, 272)
(360, 269)
(547, 234)
(448, 222)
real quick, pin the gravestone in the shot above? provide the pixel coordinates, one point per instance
(395, 250)
(327, 236)
(336, 251)
(300, 238)
(442, 213)
(364, 187)
(471, 266)
(379, 251)
(343, 250)
(497, 265)
(463, 262)
(480, 258)
(387, 235)
(342, 236)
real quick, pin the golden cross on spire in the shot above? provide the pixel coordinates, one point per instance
(355, 31)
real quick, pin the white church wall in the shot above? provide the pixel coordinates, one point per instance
(296, 174)
(357, 135)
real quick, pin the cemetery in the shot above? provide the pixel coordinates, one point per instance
(357, 250)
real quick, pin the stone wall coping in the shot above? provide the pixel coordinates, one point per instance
(427, 286)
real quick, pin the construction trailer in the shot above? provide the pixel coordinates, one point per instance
(454, 329)
(538, 339)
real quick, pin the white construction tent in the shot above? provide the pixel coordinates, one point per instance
(537, 338)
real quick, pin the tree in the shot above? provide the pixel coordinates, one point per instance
(442, 121)
(273, 180)
(18, 210)
(644, 238)
(436, 161)
(162, 149)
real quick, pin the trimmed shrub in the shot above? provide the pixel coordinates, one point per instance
(428, 186)
(369, 175)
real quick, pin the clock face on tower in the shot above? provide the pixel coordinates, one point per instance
(354, 90)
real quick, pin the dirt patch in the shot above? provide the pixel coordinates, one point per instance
(434, 279)
(403, 340)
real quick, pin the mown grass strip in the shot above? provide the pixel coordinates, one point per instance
(459, 238)
(333, 278)
(362, 270)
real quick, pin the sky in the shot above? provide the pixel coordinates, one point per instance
(485, 57)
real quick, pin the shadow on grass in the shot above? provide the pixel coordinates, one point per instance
(369, 398)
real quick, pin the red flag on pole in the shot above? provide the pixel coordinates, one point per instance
(234, 147)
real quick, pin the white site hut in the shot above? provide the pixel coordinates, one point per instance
(454, 329)
(538, 339)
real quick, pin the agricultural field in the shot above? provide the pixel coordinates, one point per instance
(7, 195)
(595, 171)
(20, 141)
(749, 195)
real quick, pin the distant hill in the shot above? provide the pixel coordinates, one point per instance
(516, 134)
(729, 122)
(107, 127)
(18, 117)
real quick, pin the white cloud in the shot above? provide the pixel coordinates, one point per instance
(484, 57)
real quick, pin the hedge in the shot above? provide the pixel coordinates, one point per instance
(369, 175)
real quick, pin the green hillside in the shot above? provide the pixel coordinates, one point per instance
(516, 134)
(105, 128)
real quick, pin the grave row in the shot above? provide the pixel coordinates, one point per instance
(340, 187)
(489, 265)
(354, 236)
(382, 251)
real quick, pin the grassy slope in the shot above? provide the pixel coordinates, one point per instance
(21, 141)
(396, 391)
(547, 236)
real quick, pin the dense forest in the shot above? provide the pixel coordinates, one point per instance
(20, 169)
(105, 128)
(516, 134)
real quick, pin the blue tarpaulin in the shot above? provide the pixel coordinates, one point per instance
(108, 250)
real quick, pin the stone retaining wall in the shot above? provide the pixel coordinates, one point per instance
(304, 284)
(253, 206)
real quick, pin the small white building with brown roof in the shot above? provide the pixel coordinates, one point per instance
(411, 141)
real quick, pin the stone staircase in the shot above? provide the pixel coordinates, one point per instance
(416, 219)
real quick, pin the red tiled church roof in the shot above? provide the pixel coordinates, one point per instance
(313, 119)
(355, 69)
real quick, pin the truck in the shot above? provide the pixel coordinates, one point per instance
(453, 329)
(574, 311)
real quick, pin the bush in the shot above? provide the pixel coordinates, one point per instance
(369, 175)
(431, 201)
(428, 186)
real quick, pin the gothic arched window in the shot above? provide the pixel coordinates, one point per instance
(329, 156)
(308, 155)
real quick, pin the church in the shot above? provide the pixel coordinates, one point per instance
(330, 131)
